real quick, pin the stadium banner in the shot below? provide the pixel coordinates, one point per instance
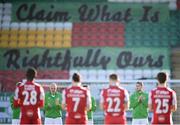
(89, 12)
(85, 58)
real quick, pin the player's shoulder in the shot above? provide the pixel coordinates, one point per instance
(170, 90)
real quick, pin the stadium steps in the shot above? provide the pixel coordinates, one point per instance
(176, 75)
(175, 58)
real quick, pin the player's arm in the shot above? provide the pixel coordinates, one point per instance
(126, 100)
(174, 103)
(133, 101)
(16, 102)
(42, 98)
(93, 104)
(145, 101)
(88, 103)
(58, 102)
(63, 105)
(46, 107)
(150, 102)
(101, 104)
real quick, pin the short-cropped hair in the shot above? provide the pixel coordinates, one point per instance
(76, 77)
(162, 77)
(113, 77)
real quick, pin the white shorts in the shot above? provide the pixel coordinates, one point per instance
(15, 121)
(53, 121)
(90, 122)
(143, 121)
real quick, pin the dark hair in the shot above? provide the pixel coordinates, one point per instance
(161, 77)
(76, 77)
(140, 83)
(113, 77)
(31, 74)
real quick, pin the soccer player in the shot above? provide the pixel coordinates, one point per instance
(29, 96)
(15, 111)
(76, 100)
(139, 104)
(93, 108)
(162, 101)
(52, 108)
(114, 100)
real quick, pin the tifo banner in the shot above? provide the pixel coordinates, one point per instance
(89, 12)
(84, 58)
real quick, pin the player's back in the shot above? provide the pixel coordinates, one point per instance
(76, 100)
(162, 99)
(114, 97)
(31, 99)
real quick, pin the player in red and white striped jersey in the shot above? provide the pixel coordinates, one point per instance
(162, 101)
(76, 100)
(29, 96)
(114, 101)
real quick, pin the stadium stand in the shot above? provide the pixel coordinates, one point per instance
(64, 36)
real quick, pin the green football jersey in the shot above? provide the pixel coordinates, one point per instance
(140, 109)
(90, 113)
(52, 106)
(15, 111)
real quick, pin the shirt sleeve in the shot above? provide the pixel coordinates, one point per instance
(42, 97)
(101, 97)
(126, 99)
(174, 99)
(150, 99)
(88, 103)
(63, 97)
(16, 98)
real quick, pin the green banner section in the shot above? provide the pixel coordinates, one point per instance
(89, 12)
(85, 58)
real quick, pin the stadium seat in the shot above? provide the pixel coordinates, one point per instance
(147, 73)
(49, 44)
(32, 29)
(68, 25)
(58, 44)
(129, 74)
(101, 75)
(138, 74)
(92, 74)
(66, 44)
(13, 44)
(13, 38)
(31, 44)
(49, 28)
(40, 44)
(120, 73)
(22, 44)
(155, 72)
(4, 38)
(31, 38)
(58, 26)
(6, 19)
(84, 74)
(4, 44)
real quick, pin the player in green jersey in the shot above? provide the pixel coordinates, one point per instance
(93, 108)
(53, 111)
(139, 104)
(15, 111)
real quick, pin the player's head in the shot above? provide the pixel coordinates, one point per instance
(76, 78)
(18, 83)
(31, 74)
(113, 79)
(162, 77)
(139, 86)
(53, 88)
